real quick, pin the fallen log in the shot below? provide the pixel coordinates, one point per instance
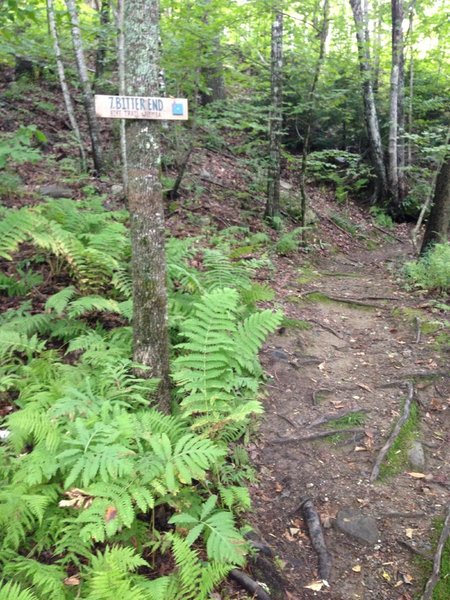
(431, 583)
(249, 584)
(394, 434)
(317, 538)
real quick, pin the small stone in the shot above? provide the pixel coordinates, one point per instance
(357, 525)
(54, 190)
(279, 355)
(285, 185)
(416, 455)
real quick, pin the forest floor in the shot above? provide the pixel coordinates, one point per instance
(368, 338)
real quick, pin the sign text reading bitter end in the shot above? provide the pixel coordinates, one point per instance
(138, 107)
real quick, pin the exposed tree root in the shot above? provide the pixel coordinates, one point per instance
(315, 436)
(431, 583)
(317, 539)
(337, 415)
(394, 434)
(329, 329)
(415, 550)
(249, 584)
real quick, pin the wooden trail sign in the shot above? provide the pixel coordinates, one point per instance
(138, 107)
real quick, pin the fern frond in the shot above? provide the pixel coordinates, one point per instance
(14, 229)
(59, 301)
(46, 579)
(221, 272)
(11, 342)
(250, 336)
(86, 304)
(13, 591)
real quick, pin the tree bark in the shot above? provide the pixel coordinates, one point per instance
(439, 220)
(121, 69)
(94, 131)
(370, 111)
(63, 83)
(145, 201)
(276, 117)
(212, 73)
(395, 109)
(310, 115)
(411, 81)
(102, 40)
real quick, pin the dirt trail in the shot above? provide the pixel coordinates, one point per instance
(354, 357)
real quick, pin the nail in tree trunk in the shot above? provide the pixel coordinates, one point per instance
(102, 40)
(310, 114)
(121, 69)
(145, 201)
(276, 117)
(63, 83)
(85, 87)
(396, 85)
(437, 228)
(370, 111)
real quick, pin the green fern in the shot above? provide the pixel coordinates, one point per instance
(47, 580)
(13, 591)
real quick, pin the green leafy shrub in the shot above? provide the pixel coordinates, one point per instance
(381, 217)
(345, 170)
(432, 271)
(289, 242)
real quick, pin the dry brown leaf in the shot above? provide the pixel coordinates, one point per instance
(360, 449)
(316, 586)
(407, 578)
(416, 475)
(409, 533)
(74, 580)
(278, 487)
(293, 530)
(110, 513)
(357, 568)
(386, 576)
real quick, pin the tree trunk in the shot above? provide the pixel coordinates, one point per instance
(276, 117)
(63, 82)
(370, 111)
(121, 69)
(396, 68)
(439, 220)
(86, 88)
(102, 40)
(310, 116)
(411, 80)
(212, 74)
(150, 327)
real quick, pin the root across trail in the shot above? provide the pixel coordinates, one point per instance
(341, 429)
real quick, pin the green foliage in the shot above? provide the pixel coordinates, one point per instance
(344, 169)
(381, 217)
(18, 148)
(289, 242)
(432, 271)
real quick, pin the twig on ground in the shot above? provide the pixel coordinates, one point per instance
(317, 539)
(338, 415)
(392, 235)
(414, 550)
(329, 329)
(418, 330)
(394, 434)
(287, 419)
(431, 583)
(343, 300)
(316, 436)
(249, 584)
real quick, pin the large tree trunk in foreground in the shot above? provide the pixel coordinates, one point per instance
(370, 111)
(439, 220)
(62, 80)
(145, 201)
(276, 117)
(86, 87)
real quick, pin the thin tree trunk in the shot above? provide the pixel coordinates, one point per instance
(401, 158)
(439, 220)
(121, 68)
(213, 72)
(370, 111)
(94, 131)
(411, 81)
(102, 40)
(310, 116)
(397, 51)
(63, 82)
(276, 117)
(145, 201)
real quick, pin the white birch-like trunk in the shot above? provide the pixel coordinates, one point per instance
(370, 111)
(88, 100)
(62, 81)
(276, 117)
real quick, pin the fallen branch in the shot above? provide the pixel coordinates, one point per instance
(287, 419)
(431, 583)
(394, 434)
(418, 330)
(342, 300)
(249, 584)
(338, 415)
(329, 329)
(388, 233)
(317, 539)
(316, 436)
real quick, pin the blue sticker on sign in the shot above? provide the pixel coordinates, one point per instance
(177, 109)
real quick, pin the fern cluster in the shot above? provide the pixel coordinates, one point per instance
(89, 460)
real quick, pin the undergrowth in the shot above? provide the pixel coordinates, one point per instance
(99, 488)
(432, 271)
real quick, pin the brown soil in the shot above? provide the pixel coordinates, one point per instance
(353, 357)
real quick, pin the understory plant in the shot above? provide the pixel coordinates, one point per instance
(432, 271)
(99, 488)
